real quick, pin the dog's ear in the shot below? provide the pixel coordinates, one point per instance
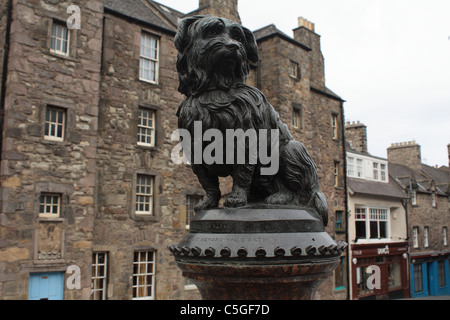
(251, 47)
(182, 38)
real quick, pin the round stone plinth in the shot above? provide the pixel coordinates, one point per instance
(257, 252)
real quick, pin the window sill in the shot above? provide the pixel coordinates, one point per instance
(143, 217)
(50, 219)
(61, 56)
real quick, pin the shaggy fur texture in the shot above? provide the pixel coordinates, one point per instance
(212, 63)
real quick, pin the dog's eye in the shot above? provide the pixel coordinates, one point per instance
(212, 32)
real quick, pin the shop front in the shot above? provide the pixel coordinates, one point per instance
(430, 274)
(379, 271)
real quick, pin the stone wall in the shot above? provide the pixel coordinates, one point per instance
(31, 164)
(118, 230)
(287, 93)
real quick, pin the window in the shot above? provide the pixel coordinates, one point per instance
(59, 41)
(339, 221)
(359, 168)
(339, 275)
(296, 118)
(441, 273)
(148, 69)
(445, 236)
(375, 171)
(55, 119)
(378, 223)
(418, 280)
(146, 128)
(334, 126)
(394, 275)
(144, 194)
(336, 174)
(426, 235)
(433, 200)
(144, 275)
(350, 166)
(371, 223)
(294, 69)
(360, 223)
(99, 276)
(383, 172)
(50, 205)
(191, 201)
(415, 237)
(413, 197)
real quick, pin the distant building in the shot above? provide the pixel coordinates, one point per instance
(377, 224)
(428, 211)
(87, 181)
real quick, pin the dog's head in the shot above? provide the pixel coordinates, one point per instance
(213, 53)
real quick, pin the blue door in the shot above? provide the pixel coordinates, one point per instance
(46, 286)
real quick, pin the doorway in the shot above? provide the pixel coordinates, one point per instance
(46, 286)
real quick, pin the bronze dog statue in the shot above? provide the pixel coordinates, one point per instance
(213, 65)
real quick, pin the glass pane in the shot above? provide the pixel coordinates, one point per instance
(360, 229)
(394, 275)
(373, 230)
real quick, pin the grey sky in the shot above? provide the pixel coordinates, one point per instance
(390, 61)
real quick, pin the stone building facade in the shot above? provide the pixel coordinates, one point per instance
(428, 209)
(377, 222)
(88, 188)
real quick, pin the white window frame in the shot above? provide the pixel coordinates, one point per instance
(336, 174)
(144, 194)
(144, 129)
(445, 236)
(296, 118)
(142, 274)
(376, 170)
(433, 200)
(426, 237)
(98, 276)
(54, 124)
(334, 126)
(374, 214)
(415, 237)
(149, 44)
(413, 195)
(379, 215)
(50, 201)
(359, 168)
(60, 38)
(350, 166)
(383, 171)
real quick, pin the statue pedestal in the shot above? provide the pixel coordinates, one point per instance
(258, 252)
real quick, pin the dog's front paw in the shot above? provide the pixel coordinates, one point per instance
(208, 203)
(235, 200)
(280, 198)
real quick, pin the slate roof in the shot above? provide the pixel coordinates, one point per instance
(140, 10)
(374, 188)
(422, 181)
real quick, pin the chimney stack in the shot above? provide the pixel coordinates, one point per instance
(302, 22)
(406, 153)
(356, 135)
(220, 8)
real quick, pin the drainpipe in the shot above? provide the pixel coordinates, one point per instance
(346, 200)
(5, 68)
